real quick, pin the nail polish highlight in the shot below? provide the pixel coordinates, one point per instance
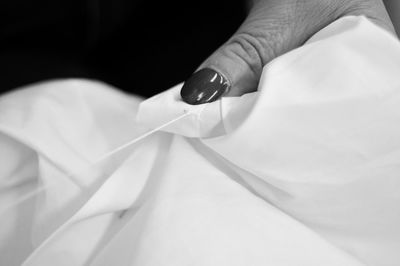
(204, 86)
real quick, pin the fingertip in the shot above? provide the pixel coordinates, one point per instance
(204, 86)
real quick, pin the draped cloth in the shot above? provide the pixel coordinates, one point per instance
(305, 171)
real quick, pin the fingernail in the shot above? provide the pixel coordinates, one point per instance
(204, 86)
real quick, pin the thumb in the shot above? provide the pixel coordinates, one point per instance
(272, 28)
(235, 68)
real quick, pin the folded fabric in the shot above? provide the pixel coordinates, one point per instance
(302, 172)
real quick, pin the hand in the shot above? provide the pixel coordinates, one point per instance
(272, 28)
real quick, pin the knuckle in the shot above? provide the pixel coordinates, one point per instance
(251, 49)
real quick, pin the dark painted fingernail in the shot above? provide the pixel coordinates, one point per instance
(204, 86)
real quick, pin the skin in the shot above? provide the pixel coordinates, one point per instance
(274, 27)
(393, 7)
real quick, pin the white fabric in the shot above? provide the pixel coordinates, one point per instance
(303, 172)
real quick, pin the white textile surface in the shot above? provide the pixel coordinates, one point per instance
(305, 171)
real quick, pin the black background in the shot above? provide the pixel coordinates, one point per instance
(143, 47)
